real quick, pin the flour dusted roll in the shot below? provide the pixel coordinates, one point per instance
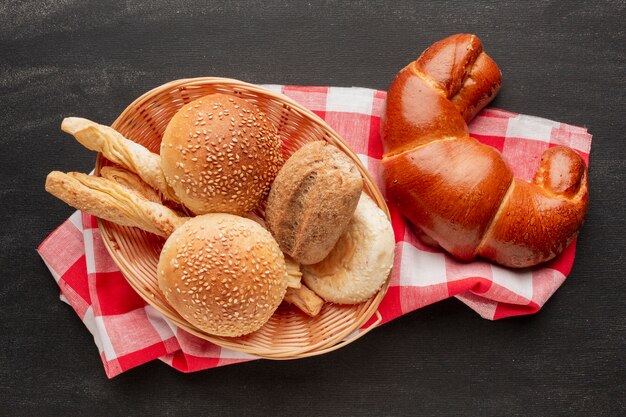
(360, 262)
(223, 273)
(220, 153)
(312, 201)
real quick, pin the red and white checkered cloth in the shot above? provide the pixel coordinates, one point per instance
(128, 332)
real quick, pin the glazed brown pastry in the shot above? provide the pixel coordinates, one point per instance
(312, 201)
(458, 192)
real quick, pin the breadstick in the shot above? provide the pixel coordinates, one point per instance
(108, 200)
(305, 299)
(294, 276)
(131, 181)
(116, 148)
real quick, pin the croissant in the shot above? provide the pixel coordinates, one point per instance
(459, 193)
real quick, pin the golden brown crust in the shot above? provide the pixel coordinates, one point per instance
(224, 274)
(108, 200)
(461, 193)
(462, 181)
(220, 153)
(537, 221)
(116, 148)
(312, 201)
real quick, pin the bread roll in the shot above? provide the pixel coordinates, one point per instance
(224, 274)
(360, 262)
(220, 154)
(312, 201)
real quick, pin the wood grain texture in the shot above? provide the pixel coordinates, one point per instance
(560, 60)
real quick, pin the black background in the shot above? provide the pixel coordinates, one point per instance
(561, 60)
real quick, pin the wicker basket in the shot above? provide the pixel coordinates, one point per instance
(289, 333)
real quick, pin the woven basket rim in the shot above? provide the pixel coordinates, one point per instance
(349, 335)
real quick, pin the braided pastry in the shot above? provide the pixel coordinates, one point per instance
(458, 192)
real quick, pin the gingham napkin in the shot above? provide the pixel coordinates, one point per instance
(128, 332)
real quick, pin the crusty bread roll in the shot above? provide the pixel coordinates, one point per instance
(312, 201)
(360, 262)
(220, 154)
(223, 273)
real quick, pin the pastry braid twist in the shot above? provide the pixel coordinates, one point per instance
(458, 192)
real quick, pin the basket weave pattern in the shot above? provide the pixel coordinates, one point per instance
(289, 333)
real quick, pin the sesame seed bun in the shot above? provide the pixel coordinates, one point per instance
(220, 153)
(224, 274)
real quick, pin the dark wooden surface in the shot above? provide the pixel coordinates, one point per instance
(561, 60)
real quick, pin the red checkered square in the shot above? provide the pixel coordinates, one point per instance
(523, 156)
(115, 295)
(128, 332)
(576, 138)
(140, 357)
(101, 263)
(354, 129)
(412, 298)
(62, 249)
(313, 98)
(487, 124)
(78, 303)
(503, 310)
(74, 278)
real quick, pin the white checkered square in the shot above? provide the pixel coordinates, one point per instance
(277, 88)
(530, 127)
(421, 268)
(97, 328)
(518, 282)
(160, 323)
(350, 100)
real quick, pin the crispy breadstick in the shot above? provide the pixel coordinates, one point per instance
(108, 200)
(294, 275)
(305, 299)
(131, 181)
(116, 148)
